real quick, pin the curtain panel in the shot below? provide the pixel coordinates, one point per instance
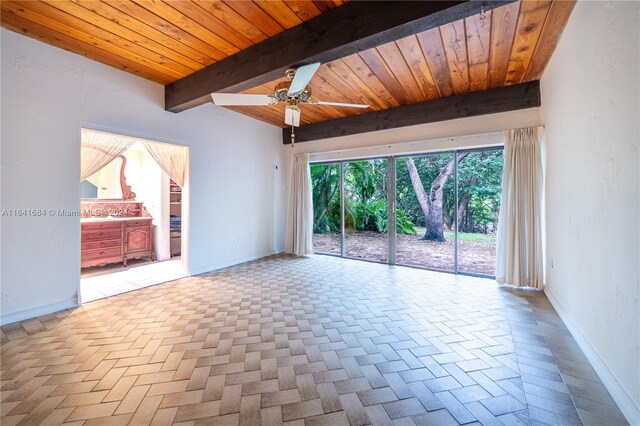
(94, 179)
(299, 238)
(97, 149)
(519, 245)
(172, 159)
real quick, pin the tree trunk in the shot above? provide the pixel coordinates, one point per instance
(463, 203)
(448, 220)
(421, 195)
(326, 201)
(327, 204)
(323, 201)
(432, 203)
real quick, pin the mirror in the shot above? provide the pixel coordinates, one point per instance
(108, 183)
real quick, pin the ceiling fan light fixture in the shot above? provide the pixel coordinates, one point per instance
(304, 96)
(282, 90)
(292, 93)
(282, 94)
(292, 115)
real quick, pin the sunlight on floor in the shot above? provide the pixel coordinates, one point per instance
(99, 287)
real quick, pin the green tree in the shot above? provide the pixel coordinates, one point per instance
(479, 190)
(432, 203)
(325, 184)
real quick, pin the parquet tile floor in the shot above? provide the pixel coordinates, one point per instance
(303, 341)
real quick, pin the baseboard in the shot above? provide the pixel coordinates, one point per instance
(627, 405)
(37, 312)
(232, 262)
(73, 303)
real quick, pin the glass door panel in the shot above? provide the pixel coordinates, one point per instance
(424, 211)
(365, 210)
(325, 184)
(479, 190)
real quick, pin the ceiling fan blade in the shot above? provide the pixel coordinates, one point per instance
(292, 116)
(302, 77)
(242, 99)
(339, 104)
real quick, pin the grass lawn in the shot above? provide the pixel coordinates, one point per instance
(476, 252)
(448, 235)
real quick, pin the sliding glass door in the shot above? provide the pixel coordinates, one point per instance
(366, 210)
(444, 213)
(479, 190)
(424, 211)
(325, 183)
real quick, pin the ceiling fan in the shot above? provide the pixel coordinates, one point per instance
(292, 93)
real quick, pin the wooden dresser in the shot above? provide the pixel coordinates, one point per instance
(108, 238)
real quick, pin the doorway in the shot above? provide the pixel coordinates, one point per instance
(131, 213)
(436, 211)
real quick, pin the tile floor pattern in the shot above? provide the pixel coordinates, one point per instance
(98, 285)
(314, 341)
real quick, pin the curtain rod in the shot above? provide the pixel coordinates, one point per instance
(414, 142)
(127, 134)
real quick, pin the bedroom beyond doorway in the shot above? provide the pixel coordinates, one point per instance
(131, 213)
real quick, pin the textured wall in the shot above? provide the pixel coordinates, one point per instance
(47, 96)
(590, 108)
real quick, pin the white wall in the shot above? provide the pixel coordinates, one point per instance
(430, 145)
(590, 97)
(467, 132)
(47, 95)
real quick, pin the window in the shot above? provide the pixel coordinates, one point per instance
(445, 207)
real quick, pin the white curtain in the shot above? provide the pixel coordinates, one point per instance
(171, 158)
(95, 179)
(97, 149)
(519, 245)
(300, 215)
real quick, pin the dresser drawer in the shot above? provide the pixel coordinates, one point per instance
(97, 226)
(100, 253)
(91, 245)
(98, 235)
(138, 222)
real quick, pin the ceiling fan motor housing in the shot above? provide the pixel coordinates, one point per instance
(282, 93)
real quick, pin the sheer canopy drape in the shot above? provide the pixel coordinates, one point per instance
(299, 238)
(98, 149)
(172, 159)
(95, 179)
(519, 245)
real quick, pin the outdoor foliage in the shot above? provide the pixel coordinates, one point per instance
(479, 186)
(428, 168)
(479, 183)
(325, 181)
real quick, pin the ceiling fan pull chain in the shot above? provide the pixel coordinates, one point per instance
(293, 135)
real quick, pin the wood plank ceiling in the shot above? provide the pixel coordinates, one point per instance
(162, 41)
(509, 45)
(167, 40)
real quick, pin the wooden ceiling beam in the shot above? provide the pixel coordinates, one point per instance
(349, 29)
(501, 99)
